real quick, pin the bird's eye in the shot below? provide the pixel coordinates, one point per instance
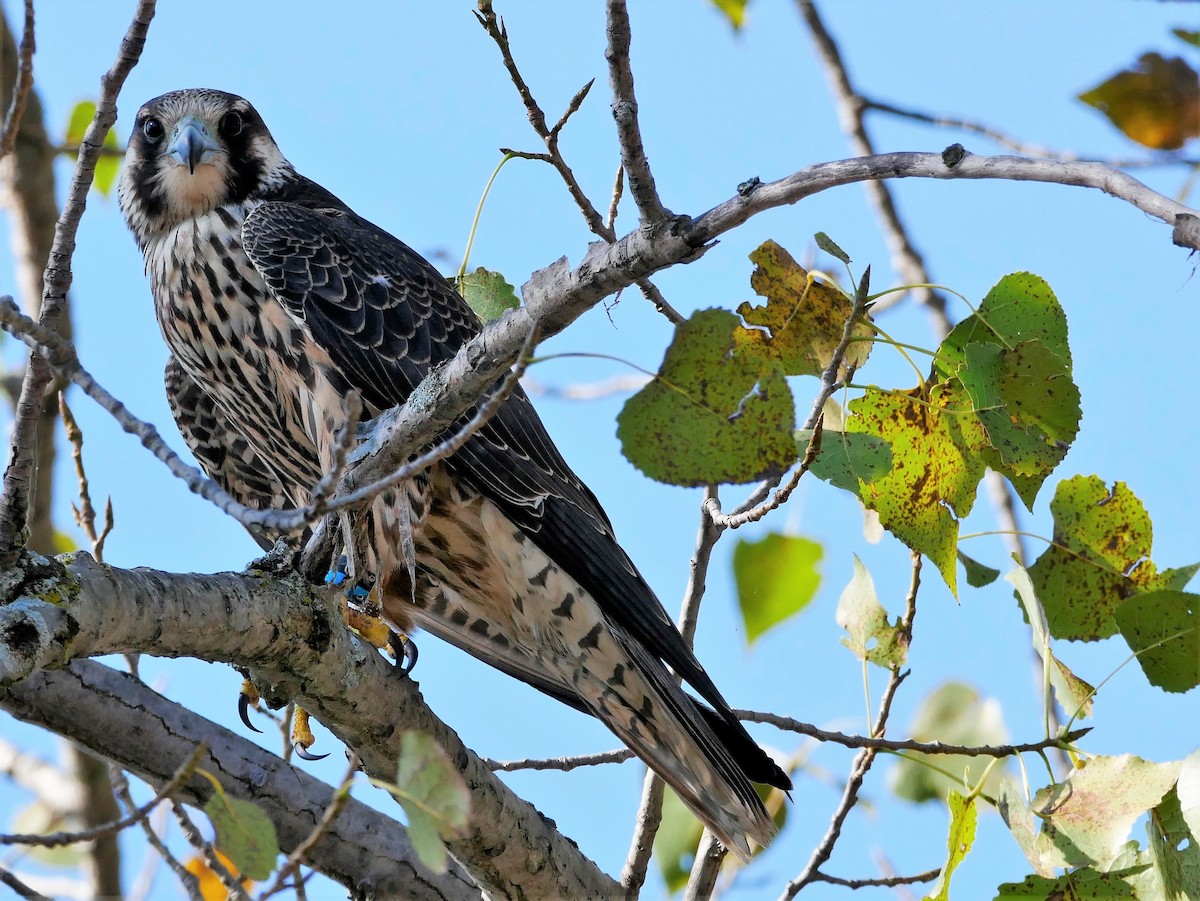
(232, 124)
(153, 130)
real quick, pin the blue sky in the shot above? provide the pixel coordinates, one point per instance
(400, 108)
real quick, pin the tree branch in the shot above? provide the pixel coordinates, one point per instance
(14, 499)
(24, 84)
(97, 706)
(294, 641)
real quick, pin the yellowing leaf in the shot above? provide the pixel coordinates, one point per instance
(776, 578)
(734, 11)
(488, 294)
(717, 412)
(803, 320)
(211, 886)
(676, 841)
(871, 636)
(963, 817)
(107, 166)
(434, 796)
(1156, 103)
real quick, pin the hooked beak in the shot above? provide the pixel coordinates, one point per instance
(192, 143)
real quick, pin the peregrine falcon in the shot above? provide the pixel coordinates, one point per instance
(277, 300)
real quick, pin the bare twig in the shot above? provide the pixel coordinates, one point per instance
(300, 852)
(59, 839)
(14, 499)
(865, 757)
(625, 114)
(563, 764)
(20, 95)
(710, 855)
(186, 879)
(906, 260)
(649, 816)
(22, 890)
(232, 884)
(884, 881)
(85, 514)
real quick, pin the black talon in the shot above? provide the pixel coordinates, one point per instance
(406, 653)
(303, 754)
(244, 712)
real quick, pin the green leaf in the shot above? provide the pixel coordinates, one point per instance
(1100, 556)
(776, 578)
(848, 459)
(734, 11)
(803, 320)
(1074, 695)
(39, 818)
(717, 412)
(107, 167)
(826, 243)
(1189, 37)
(676, 841)
(963, 817)
(1174, 852)
(934, 473)
(1156, 103)
(434, 796)
(81, 117)
(953, 713)
(1020, 307)
(1163, 629)
(871, 636)
(1081, 885)
(245, 834)
(1038, 847)
(488, 294)
(1089, 815)
(979, 575)
(1013, 360)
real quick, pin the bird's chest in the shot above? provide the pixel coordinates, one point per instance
(257, 361)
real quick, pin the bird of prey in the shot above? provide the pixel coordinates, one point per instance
(277, 300)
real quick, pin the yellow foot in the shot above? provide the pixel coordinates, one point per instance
(302, 737)
(247, 699)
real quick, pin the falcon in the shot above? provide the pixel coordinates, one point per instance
(277, 301)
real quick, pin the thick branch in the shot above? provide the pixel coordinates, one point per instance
(294, 642)
(94, 705)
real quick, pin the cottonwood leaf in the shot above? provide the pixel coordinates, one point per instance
(245, 834)
(776, 578)
(107, 167)
(733, 10)
(934, 472)
(1163, 629)
(956, 714)
(963, 817)
(211, 886)
(1089, 815)
(979, 575)
(847, 459)
(1080, 885)
(1188, 37)
(676, 841)
(434, 796)
(1188, 788)
(718, 412)
(1156, 102)
(827, 244)
(870, 635)
(803, 320)
(39, 818)
(1174, 851)
(488, 294)
(1039, 849)
(1100, 556)
(1074, 694)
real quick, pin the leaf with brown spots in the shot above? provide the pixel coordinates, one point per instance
(718, 411)
(803, 320)
(1156, 103)
(1099, 558)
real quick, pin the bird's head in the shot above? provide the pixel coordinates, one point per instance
(190, 152)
